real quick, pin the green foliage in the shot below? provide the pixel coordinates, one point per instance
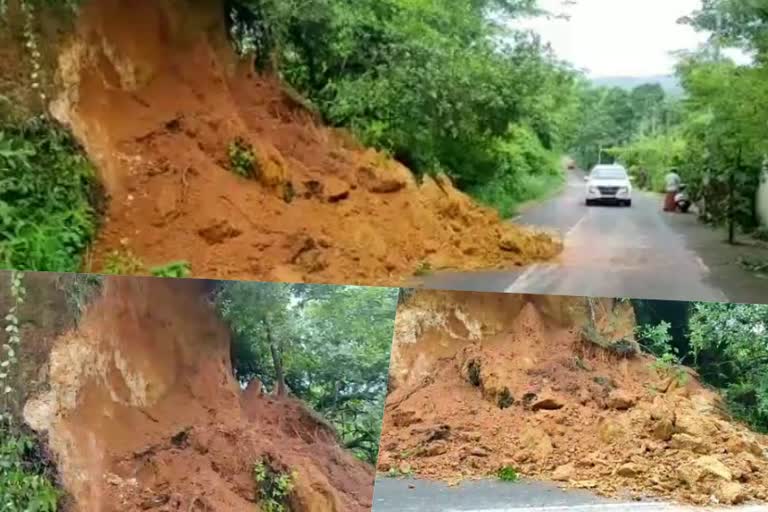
(730, 342)
(658, 341)
(242, 159)
(508, 474)
(273, 487)
(25, 482)
(525, 171)
(649, 158)
(47, 190)
(331, 343)
(436, 83)
(178, 269)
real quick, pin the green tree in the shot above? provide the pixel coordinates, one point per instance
(730, 342)
(329, 345)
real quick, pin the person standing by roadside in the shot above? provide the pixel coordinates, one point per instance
(672, 186)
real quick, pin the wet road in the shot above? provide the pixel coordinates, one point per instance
(410, 495)
(609, 251)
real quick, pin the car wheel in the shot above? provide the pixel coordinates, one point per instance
(628, 203)
(589, 203)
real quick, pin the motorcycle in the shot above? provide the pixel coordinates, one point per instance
(682, 200)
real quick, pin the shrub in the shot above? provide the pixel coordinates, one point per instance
(242, 160)
(178, 269)
(507, 474)
(47, 196)
(273, 487)
(25, 484)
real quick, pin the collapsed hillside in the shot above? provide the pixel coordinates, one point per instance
(156, 95)
(483, 382)
(141, 412)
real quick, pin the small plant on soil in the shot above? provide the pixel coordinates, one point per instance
(400, 472)
(273, 486)
(177, 269)
(242, 159)
(122, 263)
(507, 474)
(505, 399)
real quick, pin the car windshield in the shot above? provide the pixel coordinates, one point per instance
(609, 174)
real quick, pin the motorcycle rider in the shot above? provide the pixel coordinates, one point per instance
(672, 186)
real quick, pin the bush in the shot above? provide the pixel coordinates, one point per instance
(177, 269)
(525, 171)
(25, 482)
(242, 160)
(47, 197)
(273, 487)
(507, 474)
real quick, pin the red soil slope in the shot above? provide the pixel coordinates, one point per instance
(142, 413)
(579, 414)
(154, 92)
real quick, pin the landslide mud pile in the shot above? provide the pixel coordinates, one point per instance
(481, 382)
(141, 412)
(155, 94)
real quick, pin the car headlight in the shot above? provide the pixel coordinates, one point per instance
(593, 190)
(624, 190)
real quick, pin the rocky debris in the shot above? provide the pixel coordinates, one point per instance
(547, 402)
(629, 470)
(619, 436)
(620, 400)
(730, 493)
(704, 468)
(564, 473)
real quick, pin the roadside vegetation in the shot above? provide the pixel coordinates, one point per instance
(726, 344)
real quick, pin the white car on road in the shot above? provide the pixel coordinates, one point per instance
(609, 184)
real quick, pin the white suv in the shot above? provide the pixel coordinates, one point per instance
(609, 183)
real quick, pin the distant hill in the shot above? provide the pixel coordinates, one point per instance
(669, 83)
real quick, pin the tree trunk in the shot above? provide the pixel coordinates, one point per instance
(732, 200)
(277, 362)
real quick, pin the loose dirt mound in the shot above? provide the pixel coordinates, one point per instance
(142, 413)
(154, 93)
(532, 393)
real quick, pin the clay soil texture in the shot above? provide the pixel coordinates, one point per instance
(482, 382)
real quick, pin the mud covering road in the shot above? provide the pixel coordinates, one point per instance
(616, 252)
(411, 495)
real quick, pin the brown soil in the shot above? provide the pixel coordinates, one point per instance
(153, 91)
(142, 413)
(480, 382)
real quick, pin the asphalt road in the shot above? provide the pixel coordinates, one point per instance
(610, 251)
(410, 495)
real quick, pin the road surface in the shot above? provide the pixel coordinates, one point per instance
(410, 495)
(609, 251)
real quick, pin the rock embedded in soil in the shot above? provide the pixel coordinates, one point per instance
(620, 400)
(547, 402)
(564, 472)
(730, 493)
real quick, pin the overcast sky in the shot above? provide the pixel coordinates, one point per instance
(619, 37)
